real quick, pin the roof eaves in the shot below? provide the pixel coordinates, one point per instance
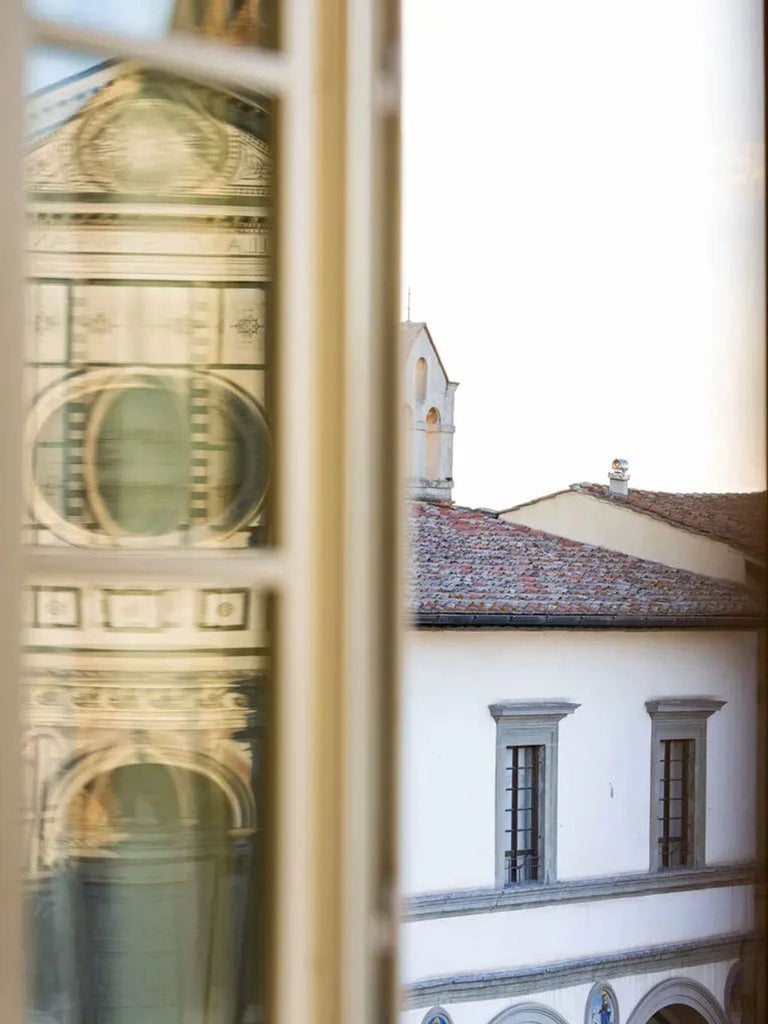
(512, 620)
(534, 501)
(660, 517)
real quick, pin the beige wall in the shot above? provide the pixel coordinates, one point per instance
(613, 525)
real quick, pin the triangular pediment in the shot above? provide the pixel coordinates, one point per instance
(130, 131)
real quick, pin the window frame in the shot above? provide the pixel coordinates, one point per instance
(525, 724)
(335, 573)
(681, 718)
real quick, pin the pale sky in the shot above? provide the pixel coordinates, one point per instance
(582, 231)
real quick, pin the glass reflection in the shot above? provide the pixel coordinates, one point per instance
(242, 22)
(148, 312)
(143, 764)
(146, 707)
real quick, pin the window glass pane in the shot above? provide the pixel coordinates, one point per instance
(239, 22)
(675, 803)
(146, 719)
(146, 724)
(522, 858)
(149, 322)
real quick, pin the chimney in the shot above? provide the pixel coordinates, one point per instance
(618, 479)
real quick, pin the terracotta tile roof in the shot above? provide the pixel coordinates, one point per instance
(739, 519)
(468, 567)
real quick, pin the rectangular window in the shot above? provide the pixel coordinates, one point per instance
(676, 803)
(679, 780)
(522, 858)
(526, 789)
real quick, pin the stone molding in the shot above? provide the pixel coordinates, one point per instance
(528, 1013)
(699, 706)
(683, 991)
(459, 902)
(504, 984)
(538, 710)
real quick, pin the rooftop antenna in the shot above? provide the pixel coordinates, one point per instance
(408, 318)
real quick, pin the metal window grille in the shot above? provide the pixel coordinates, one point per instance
(523, 814)
(675, 804)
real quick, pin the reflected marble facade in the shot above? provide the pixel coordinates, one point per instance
(147, 428)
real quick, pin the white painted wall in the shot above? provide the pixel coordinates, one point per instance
(616, 526)
(539, 935)
(448, 744)
(570, 1002)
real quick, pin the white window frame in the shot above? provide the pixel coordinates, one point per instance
(523, 724)
(334, 567)
(681, 718)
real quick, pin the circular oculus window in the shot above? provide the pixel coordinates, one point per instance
(141, 458)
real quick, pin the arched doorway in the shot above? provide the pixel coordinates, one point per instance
(157, 881)
(677, 1014)
(678, 1001)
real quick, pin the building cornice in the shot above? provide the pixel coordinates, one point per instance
(701, 706)
(506, 984)
(549, 710)
(505, 620)
(459, 902)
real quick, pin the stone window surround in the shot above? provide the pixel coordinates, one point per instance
(681, 718)
(530, 723)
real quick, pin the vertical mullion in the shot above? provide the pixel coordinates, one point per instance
(294, 988)
(12, 56)
(665, 788)
(535, 812)
(513, 843)
(686, 803)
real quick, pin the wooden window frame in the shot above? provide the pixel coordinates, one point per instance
(334, 569)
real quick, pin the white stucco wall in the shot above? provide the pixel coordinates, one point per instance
(570, 1002)
(618, 527)
(448, 744)
(539, 935)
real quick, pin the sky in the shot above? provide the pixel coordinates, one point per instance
(582, 230)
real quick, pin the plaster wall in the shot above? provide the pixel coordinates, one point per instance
(614, 525)
(603, 820)
(570, 1002)
(524, 938)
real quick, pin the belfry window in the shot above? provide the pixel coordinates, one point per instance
(432, 460)
(420, 379)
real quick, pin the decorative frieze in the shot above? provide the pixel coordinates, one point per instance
(200, 699)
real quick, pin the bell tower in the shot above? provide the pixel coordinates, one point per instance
(429, 397)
